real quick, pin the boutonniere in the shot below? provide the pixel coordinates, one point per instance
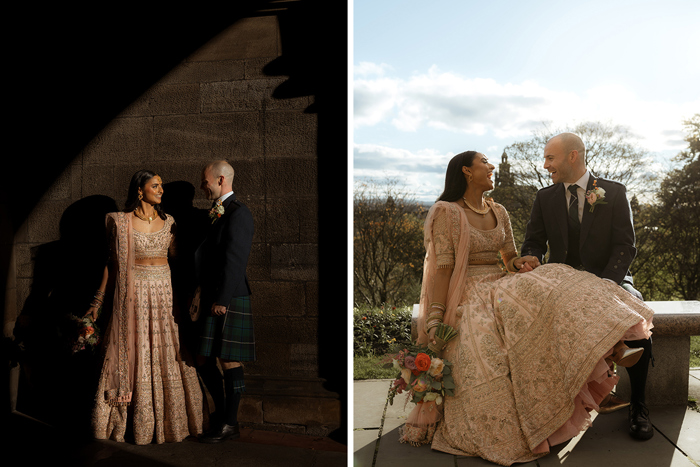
(217, 211)
(595, 196)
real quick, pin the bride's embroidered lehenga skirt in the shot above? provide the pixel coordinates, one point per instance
(528, 362)
(166, 403)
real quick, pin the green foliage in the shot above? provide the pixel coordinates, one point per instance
(371, 367)
(387, 244)
(377, 331)
(667, 266)
(694, 351)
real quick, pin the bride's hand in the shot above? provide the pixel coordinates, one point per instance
(94, 311)
(431, 335)
(526, 263)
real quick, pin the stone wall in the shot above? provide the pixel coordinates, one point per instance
(233, 98)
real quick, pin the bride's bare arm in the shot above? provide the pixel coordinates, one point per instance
(99, 295)
(439, 292)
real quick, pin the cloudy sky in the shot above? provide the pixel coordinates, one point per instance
(432, 79)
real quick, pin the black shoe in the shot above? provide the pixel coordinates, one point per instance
(640, 426)
(222, 434)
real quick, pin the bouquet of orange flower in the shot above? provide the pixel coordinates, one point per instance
(87, 334)
(425, 376)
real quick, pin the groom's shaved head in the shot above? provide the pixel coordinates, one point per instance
(571, 142)
(220, 168)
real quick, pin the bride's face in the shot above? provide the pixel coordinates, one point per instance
(481, 172)
(153, 190)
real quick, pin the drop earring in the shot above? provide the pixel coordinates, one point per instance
(140, 196)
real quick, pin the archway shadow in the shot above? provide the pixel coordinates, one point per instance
(57, 385)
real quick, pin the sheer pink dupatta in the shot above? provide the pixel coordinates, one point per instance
(459, 273)
(422, 421)
(120, 343)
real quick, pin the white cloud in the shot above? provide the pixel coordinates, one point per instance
(474, 106)
(422, 171)
(369, 69)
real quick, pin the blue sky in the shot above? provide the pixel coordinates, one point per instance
(432, 79)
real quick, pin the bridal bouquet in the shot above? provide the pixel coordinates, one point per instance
(422, 374)
(87, 334)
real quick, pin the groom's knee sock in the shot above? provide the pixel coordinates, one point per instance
(235, 385)
(638, 373)
(211, 376)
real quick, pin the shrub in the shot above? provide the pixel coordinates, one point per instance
(377, 331)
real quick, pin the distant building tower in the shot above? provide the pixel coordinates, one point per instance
(503, 177)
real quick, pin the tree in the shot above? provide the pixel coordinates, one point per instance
(610, 154)
(674, 257)
(388, 245)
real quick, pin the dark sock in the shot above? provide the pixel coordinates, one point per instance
(211, 376)
(639, 371)
(234, 384)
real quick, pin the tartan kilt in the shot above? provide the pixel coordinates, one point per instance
(230, 337)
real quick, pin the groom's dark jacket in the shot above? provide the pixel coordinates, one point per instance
(606, 242)
(222, 258)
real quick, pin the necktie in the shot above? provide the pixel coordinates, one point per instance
(573, 207)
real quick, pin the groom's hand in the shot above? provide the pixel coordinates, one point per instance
(218, 310)
(632, 290)
(529, 263)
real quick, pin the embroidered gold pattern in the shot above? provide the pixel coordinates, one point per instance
(167, 403)
(538, 335)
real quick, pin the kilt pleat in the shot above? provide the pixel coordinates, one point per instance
(231, 336)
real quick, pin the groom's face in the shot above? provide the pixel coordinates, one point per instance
(557, 162)
(210, 185)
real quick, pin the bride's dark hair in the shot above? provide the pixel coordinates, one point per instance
(132, 198)
(455, 183)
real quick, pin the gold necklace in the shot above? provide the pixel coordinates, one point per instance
(478, 211)
(144, 218)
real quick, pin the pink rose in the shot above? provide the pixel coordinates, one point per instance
(410, 362)
(421, 384)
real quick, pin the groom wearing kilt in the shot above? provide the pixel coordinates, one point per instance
(226, 320)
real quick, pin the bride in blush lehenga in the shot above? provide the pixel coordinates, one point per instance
(533, 351)
(146, 382)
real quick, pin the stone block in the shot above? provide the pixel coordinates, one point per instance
(291, 134)
(286, 330)
(312, 299)
(44, 220)
(205, 72)
(294, 262)
(166, 99)
(100, 180)
(279, 299)
(127, 139)
(291, 178)
(308, 224)
(302, 410)
(251, 409)
(208, 137)
(304, 358)
(241, 95)
(667, 382)
(253, 37)
(271, 357)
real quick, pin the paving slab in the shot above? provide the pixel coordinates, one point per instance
(676, 442)
(364, 445)
(369, 400)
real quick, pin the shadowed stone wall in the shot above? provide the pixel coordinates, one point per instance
(232, 99)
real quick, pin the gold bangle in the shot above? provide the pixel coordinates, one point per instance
(511, 265)
(438, 305)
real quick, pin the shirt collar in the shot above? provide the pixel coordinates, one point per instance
(581, 182)
(222, 198)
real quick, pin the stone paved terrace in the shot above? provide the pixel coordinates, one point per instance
(676, 442)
